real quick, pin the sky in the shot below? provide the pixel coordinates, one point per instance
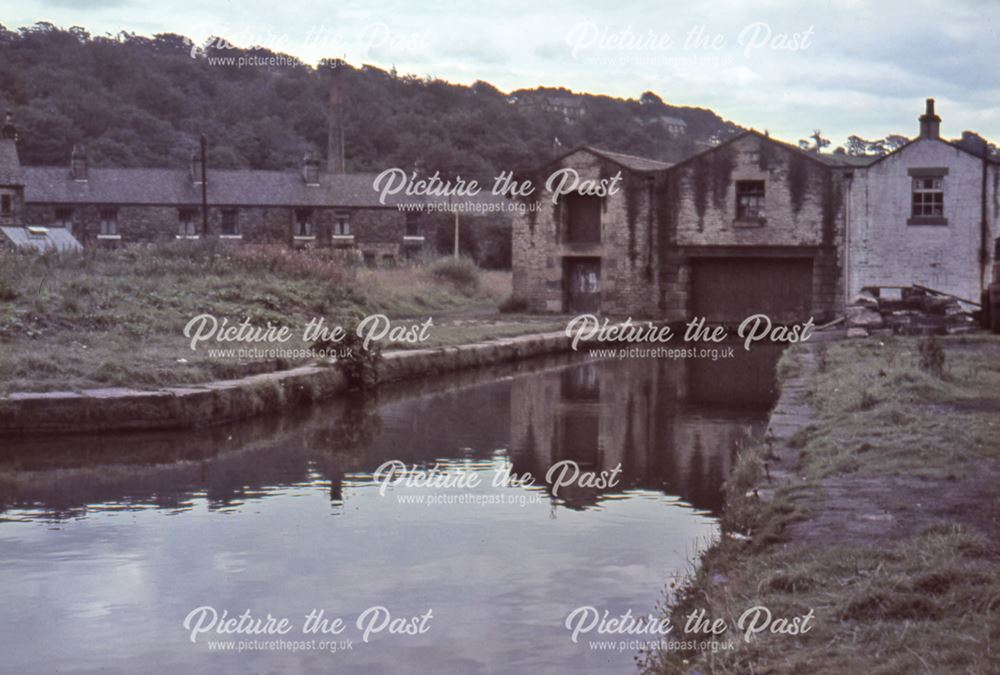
(844, 67)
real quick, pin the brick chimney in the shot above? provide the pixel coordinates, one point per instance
(196, 175)
(974, 143)
(335, 122)
(930, 124)
(310, 168)
(9, 131)
(78, 163)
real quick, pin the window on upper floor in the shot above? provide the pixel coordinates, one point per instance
(750, 195)
(928, 196)
(303, 222)
(109, 221)
(6, 204)
(583, 219)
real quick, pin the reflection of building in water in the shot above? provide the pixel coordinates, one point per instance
(643, 415)
(657, 419)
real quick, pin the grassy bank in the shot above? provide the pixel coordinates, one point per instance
(116, 318)
(889, 530)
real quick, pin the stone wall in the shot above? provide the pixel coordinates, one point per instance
(654, 225)
(377, 231)
(212, 403)
(540, 248)
(804, 216)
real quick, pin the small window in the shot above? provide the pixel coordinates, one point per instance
(412, 225)
(230, 222)
(303, 222)
(109, 221)
(342, 225)
(750, 200)
(64, 218)
(186, 224)
(928, 196)
(6, 204)
(583, 218)
(369, 259)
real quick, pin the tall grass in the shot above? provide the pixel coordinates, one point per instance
(105, 317)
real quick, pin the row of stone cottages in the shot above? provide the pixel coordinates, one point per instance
(758, 225)
(319, 205)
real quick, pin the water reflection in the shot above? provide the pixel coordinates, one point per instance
(674, 427)
(239, 516)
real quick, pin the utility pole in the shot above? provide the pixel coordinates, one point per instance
(204, 188)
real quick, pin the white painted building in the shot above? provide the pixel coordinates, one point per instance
(925, 214)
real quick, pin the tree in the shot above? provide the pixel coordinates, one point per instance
(818, 142)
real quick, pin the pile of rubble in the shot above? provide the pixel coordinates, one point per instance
(906, 311)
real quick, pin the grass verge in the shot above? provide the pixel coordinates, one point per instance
(924, 598)
(116, 318)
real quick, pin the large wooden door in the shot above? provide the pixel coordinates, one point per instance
(727, 290)
(582, 277)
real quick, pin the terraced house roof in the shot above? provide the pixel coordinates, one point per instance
(55, 184)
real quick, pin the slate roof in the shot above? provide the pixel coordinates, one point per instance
(633, 162)
(10, 166)
(57, 238)
(48, 184)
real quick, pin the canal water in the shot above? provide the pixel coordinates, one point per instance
(109, 543)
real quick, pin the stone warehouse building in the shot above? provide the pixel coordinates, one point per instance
(758, 225)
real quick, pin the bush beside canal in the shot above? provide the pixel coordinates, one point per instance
(888, 529)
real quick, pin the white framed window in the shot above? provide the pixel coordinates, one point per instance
(109, 222)
(187, 225)
(928, 196)
(303, 226)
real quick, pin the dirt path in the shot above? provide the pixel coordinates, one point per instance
(862, 509)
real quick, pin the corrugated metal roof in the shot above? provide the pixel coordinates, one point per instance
(42, 238)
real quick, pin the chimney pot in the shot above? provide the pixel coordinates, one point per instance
(310, 169)
(930, 123)
(9, 131)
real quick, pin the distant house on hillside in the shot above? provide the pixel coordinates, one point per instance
(674, 126)
(570, 106)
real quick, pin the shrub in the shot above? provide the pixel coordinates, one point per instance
(513, 305)
(460, 271)
(360, 365)
(7, 291)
